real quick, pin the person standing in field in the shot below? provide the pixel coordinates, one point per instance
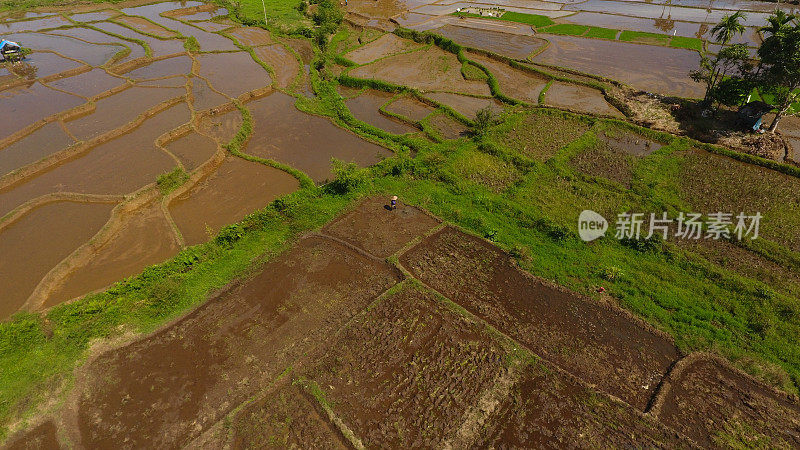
(393, 202)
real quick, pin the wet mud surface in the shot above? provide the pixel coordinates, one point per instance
(90, 116)
(284, 134)
(386, 45)
(707, 400)
(599, 344)
(366, 107)
(165, 389)
(580, 99)
(630, 63)
(510, 45)
(201, 212)
(465, 105)
(515, 83)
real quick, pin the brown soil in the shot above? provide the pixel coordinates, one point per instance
(447, 127)
(252, 36)
(547, 409)
(303, 141)
(366, 108)
(378, 230)
(222, 127)
(235, 189)
(287, 418)
(86, 34)
(215, 26)
(431, 69)
(465, 105)
(388, 44)
(34, 244)
(167, 388)
(41, 437)
(515, 83)
(580, 99)
(281, 61)
(599, 344)
(39, 144)
(145, 238)
(410, 108)
(513, 46)
(720, 407)
(406, 373)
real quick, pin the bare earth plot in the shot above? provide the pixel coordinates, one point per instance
(322, 348)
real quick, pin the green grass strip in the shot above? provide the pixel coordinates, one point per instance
(566, 29)
(602, 33)
(686, 42)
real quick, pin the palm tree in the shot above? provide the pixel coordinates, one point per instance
(728, 27)
(778, 22)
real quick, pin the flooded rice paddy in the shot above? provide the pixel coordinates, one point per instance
(109, 100)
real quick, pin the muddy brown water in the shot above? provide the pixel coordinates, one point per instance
(600, 345)
(42, 142)
(465, 105)
(282, 61)
(119, 166)
(169, 387)
(581, 99)
(511, 45)
(33, 25)
(91, 54)
(388, 44)
(89, 84)
(215, 26)
(41, 64)
(630, 63)
(145, 238)
(252, 36)
(146, 26)
(516, 83)
(237, 188)
(430, 69)
(178, 65)
(209, 42)
(160, 47)
(94, 16)
(218, 67)
(366, 107)
(34, 244)
(119, 109)
(630, 143)
(192, 149)
(410, 108)
(24, 105)
(203, 97)
(303, 141)
(97, 37)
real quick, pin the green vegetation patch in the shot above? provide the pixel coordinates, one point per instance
(686, 42)
(567, 29)
(534, 20)
(644, 37)
(472, 72)
(541, 134)
(169, 181)
(486, 170)
(602, 33)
